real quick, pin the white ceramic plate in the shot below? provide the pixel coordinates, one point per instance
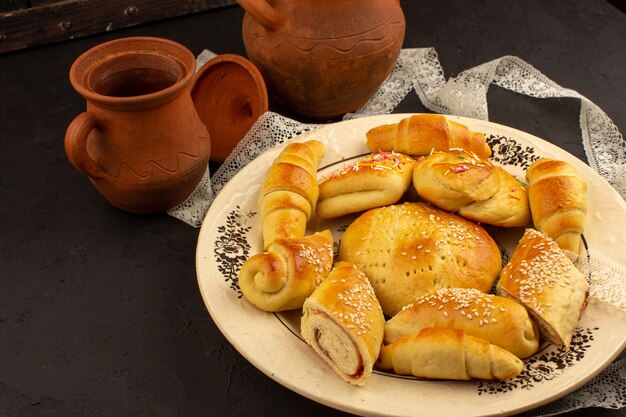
(231, 232)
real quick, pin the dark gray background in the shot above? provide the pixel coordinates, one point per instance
(100, 313)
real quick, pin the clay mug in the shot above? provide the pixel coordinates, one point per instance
(140, 140)
(323, 58)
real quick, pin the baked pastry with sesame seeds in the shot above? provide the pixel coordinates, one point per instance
(290, 191)
(281, 278)
(412, 249)
(461, 182)
(447, 353)
(543, 279)
(422, 133)
(375, 181)
(501, 321)
(558, 202)
(343, 322)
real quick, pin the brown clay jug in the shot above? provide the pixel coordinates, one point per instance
(323, 58)
(140, 140)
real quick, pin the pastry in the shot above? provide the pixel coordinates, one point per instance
(501, 321)
(412, 249)
(420, 134)
(447, 353)
(290, 191)
(281, 278)
(558, 202)
(377, 180)
(343, 322)
(460, 182)
(543, 279)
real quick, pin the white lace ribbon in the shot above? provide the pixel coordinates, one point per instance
(464, 95)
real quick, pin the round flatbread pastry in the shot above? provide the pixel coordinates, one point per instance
(412, 249)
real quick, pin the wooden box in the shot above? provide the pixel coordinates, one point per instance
(26, 23)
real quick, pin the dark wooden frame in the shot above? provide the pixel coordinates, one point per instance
(45, 21)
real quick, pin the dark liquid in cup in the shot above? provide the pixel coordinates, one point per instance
(135, 82)
(121, 78)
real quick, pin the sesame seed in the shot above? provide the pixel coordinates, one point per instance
(546, 270)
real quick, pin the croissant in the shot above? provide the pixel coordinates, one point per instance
(501, 321)
(343, 322)
(290, 191)
(558, 202)
(448, 353)
(281, 278)
(377, 180)
(422, 133)
(460, 182)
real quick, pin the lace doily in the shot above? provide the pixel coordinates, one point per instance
(607, 390)
(464, 95)
(605, 274)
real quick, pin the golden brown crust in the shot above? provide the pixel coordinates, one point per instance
(461, 182)
(558, 202)
(281, 278)
(422, 133)
(501, 321)
(284, 215)
(290, 191)
(542, 278)
(343, 322)
(412, 249)
(448, 353)
(284, 176)
(306, 155)
(374, 181)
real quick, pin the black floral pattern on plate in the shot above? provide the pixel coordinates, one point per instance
(508, 151)
(543, 366)
(231, 248)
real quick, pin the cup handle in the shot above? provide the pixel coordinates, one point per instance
(76, 145)
(263, 12)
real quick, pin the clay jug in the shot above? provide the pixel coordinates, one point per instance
(140, 140)
(323, 58)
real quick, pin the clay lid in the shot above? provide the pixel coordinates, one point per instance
(229, 95)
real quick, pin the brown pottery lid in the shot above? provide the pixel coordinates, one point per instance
(229, 95)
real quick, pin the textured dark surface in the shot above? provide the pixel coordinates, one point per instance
(100, 313)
